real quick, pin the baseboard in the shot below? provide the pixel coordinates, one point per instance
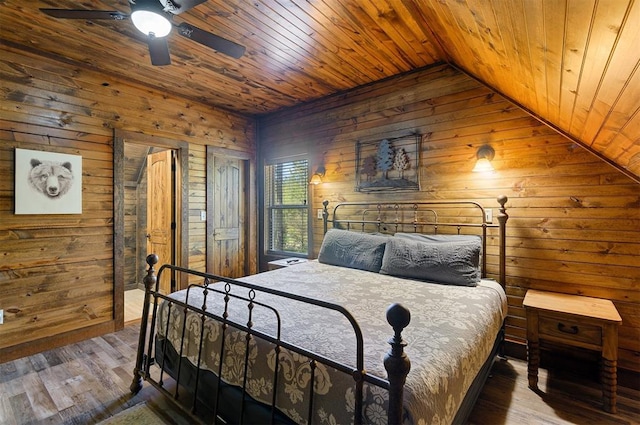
(37, 346)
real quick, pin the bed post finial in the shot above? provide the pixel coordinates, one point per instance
(325, 214)
(396, 361)
(149, 285)
(502, 220)
(502, 199)
(150, 279)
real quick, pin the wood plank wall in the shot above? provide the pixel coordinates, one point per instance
(56, 272)
(135, 214)
(574, 222)
(130, 240)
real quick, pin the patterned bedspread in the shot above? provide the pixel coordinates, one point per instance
(450, 336)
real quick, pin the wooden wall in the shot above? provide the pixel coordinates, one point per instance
(56, 272)
(135, 230)
(574, 222)
(131, 265)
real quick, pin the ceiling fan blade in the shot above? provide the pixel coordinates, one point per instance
(159, 51)
(85, 14)
(213, 41)
(178, 6)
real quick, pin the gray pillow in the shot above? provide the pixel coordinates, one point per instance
(352, 249)
(453, 263)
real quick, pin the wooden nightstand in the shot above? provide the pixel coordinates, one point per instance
(577, 321)
(285, 262)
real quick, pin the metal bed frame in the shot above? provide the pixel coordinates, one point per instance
(388, 217)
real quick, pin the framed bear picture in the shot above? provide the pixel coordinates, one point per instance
(47, 182)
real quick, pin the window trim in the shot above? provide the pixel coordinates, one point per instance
(266, 210)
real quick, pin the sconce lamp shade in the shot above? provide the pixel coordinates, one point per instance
(316, 179)
(483, 165)
(149, 18)
(485, 154)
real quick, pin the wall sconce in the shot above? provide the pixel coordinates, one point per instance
(484, 154)
(316, 179)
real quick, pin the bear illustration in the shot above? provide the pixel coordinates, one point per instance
(51, 178)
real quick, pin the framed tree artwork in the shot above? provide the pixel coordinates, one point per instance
(390, 164)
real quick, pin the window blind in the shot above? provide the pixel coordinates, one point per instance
(286, 193)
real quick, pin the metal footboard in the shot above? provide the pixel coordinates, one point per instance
(153, 350)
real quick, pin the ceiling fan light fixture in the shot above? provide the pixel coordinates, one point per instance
(149, 18)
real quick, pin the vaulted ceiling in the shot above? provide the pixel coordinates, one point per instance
(572, 63)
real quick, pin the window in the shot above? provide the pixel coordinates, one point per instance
(287, 210)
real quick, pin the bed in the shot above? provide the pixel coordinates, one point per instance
(324, 341)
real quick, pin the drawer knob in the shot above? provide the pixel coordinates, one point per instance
(569, 330)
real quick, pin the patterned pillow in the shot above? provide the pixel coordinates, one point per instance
(448, 262)
(352, 249)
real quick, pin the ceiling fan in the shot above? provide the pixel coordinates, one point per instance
(154, 19)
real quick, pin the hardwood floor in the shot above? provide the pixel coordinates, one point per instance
(79, 384)
(87, 382)
(562, 398)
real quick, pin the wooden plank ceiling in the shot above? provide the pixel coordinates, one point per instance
(572, 63)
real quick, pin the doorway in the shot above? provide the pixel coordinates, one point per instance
(150, 212)
(150, 184)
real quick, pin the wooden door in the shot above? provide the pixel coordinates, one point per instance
(228, 207)
(160, 235)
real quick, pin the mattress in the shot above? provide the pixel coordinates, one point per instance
(451, 334)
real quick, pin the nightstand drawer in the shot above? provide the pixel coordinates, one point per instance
(570, 330)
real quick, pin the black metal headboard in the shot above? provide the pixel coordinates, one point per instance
(438, 216)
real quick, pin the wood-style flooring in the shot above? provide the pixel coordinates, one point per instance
(562, 398)
(87, 382)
